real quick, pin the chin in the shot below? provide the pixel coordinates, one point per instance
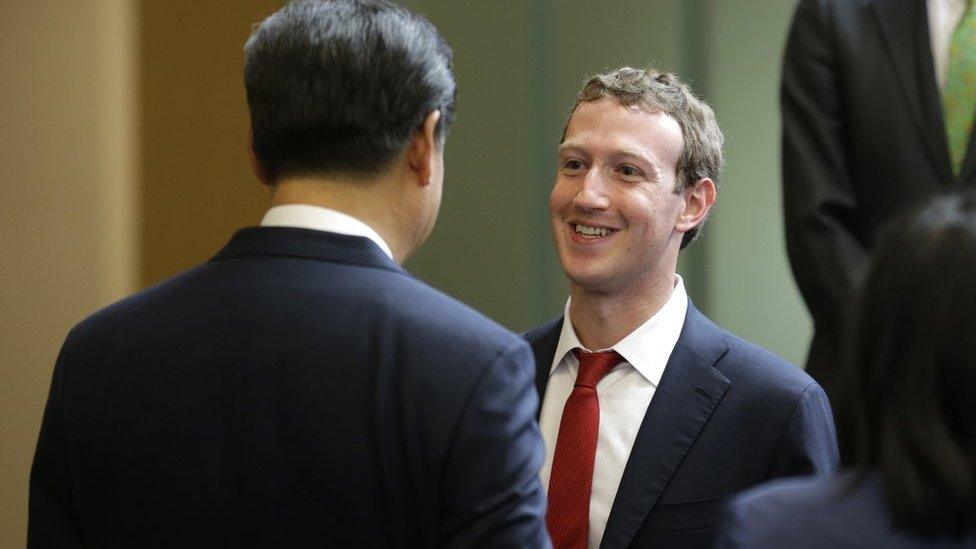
(588, 278)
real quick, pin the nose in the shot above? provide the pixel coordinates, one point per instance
(592, 193)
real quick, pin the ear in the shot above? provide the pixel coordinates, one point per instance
(256, 166)
(699, 199)
(423, 145)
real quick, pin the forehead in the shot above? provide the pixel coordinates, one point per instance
(607, 126)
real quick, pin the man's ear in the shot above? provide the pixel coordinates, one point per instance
(256, 166)
(698, 202)
(423, 144)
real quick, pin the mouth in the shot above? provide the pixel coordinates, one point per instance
(590, 232)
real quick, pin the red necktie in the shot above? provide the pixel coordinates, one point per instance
(568, 516)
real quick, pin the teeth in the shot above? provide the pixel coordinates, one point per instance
(591, 231)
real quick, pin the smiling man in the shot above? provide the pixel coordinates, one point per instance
(652, 415)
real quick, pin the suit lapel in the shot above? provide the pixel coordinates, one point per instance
(544, 340)
(689, 391)
(903, 25)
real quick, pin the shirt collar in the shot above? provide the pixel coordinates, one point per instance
(306, 216)
(648, 347)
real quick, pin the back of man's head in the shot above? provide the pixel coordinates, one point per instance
(339, 86)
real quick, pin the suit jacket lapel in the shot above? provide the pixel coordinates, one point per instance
(903, 25)
(544, 340)
(689, 391)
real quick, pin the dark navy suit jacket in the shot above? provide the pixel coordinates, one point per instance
(812, 513)
(726, 416)
(300, 389)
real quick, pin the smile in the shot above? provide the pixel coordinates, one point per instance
(590, 231)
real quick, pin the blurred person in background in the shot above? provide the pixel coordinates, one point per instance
(878, 101)
(652, 414)
(301, 389)
(910, 465)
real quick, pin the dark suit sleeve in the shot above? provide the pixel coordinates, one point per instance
(494, 497)
(809, 444)
(818, 195)
(52, 518)
(734, 529)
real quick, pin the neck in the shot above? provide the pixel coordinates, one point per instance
(602, 319)
(372, 201)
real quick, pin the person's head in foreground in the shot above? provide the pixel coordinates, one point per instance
(638, 168)
(356, 95)
(911, 405)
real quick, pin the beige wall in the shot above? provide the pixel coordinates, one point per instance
(196, 182)
(66, 216)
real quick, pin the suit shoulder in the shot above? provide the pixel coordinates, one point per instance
(765, 516)
(543, 331)
(431, 309)
(749, 365)
(129, 311)
(840, 510)
(792, 493)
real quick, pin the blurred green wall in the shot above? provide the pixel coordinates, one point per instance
(519, 65)
(752, 289)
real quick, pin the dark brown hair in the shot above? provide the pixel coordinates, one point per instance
(910, 409)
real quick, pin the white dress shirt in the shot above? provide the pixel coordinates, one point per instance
(305, 216)
(624, 396)
(944, 16)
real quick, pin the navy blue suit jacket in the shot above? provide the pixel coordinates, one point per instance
(726, 416)
(300, 389)
(812, 513)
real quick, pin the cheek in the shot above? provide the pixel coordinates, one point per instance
(560, 197)
(554, 201)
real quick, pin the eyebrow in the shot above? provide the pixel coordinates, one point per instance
(563, 147)
(635, 153)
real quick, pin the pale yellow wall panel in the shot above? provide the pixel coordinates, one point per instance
(197, 186)
(65, 204)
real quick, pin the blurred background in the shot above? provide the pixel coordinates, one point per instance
(123, 160)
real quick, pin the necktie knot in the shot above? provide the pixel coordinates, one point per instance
(595, 366)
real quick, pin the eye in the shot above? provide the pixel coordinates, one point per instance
(629, 171)
(572, 164)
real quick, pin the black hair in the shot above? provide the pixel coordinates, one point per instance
(910, 411)
(341, 85)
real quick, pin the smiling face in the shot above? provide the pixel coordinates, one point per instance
(616, 219)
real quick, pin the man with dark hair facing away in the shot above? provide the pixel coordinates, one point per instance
(653, 415)
(301, 389)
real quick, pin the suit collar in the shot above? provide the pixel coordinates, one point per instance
(648, 347)
(690, 390)
(903, 25)
(307, 244)
(543, 341)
